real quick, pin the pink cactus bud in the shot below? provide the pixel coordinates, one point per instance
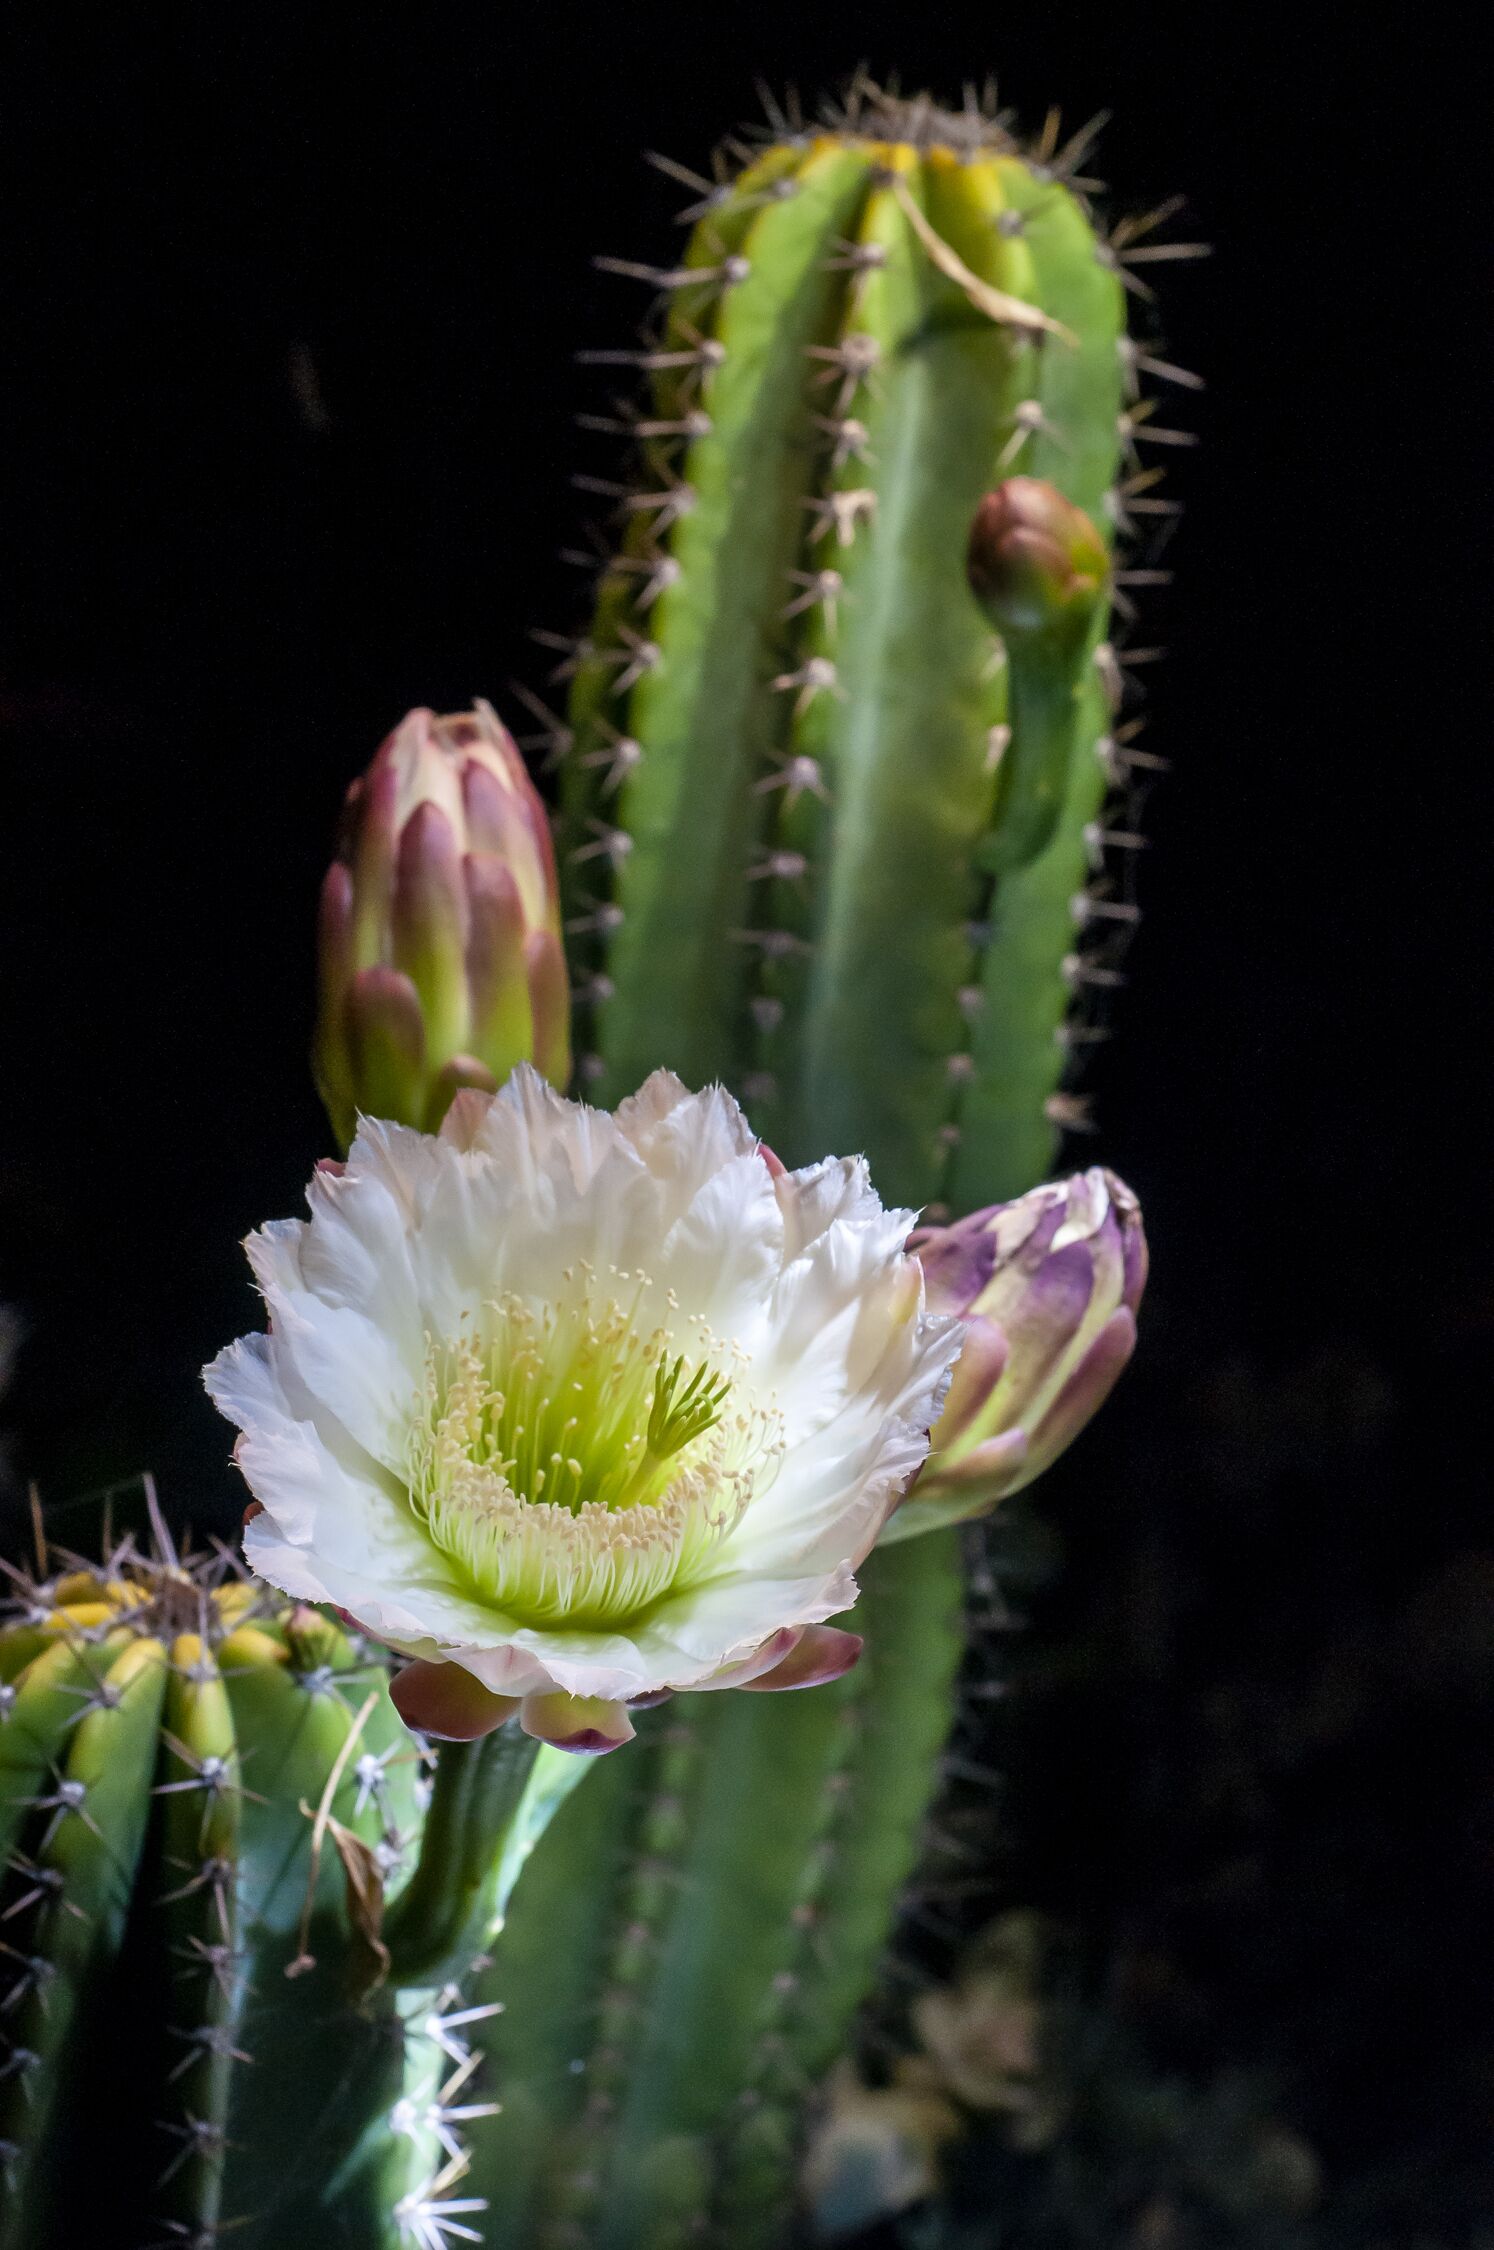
(441, 961)
(1036, 562)
(1048, 1288)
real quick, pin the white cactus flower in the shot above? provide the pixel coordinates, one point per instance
(575, 1408)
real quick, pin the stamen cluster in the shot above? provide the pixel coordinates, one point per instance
(575, 1464)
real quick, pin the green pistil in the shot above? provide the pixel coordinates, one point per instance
(674, 1421)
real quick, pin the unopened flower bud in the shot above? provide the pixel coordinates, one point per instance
(441, 962)
(1047, 1288)
(1036, 562)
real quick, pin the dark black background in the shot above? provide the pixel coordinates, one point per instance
(289, 314)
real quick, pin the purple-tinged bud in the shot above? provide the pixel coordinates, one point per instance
(440, 951)
(1048, 1288)
(1036, 563)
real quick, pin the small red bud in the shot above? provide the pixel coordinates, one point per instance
(1035, 561)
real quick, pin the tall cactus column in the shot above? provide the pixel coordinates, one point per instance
(797, 795)
(822, 825)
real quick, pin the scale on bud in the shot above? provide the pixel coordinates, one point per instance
(1047, 1287)
(440, 958)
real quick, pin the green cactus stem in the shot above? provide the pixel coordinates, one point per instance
(705, 1915)
(830, 836)
(811, 799)
(204, 1794)
(490, 1803)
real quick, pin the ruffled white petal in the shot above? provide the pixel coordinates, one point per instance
(349, 1530)
(682, 1136)
(724, 1252)
(837, 1188)
(538, 1136)
(352, 1367)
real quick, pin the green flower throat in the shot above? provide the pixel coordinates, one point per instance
(577, 1465)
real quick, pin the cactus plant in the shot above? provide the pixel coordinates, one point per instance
(831, 806)
(204, 1791)
(825, 835)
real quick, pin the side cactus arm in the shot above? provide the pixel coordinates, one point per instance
(204, 1790)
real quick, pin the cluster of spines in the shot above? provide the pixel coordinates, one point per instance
(601, 748)
(679, 359)
(102, 1667)
(440, 2104)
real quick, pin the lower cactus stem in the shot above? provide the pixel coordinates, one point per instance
(712, 1914)
(490, 1804)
